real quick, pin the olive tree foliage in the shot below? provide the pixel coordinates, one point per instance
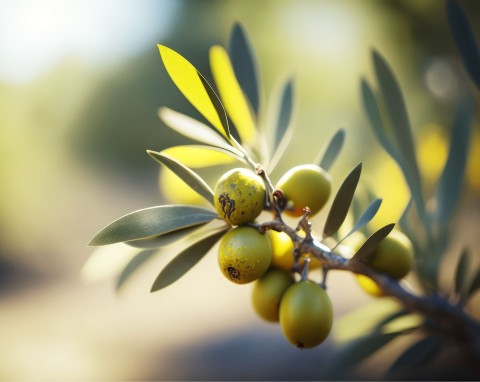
(231, 134)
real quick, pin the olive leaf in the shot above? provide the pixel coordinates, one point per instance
(371, 243)
(191, 178)
(341, 204)
(153, 221)
(364, 319)
(461, 272)
(195, 88)
(365, 218)
(417, 355)
(133, 265)
(465, 40)
(283, 129)
(372, 111)
(354, 352)
(196, 130)
(334, 147)
(449, 185)
(402, 131)
(245, 64)
(474, 285)
(165, 239)
(232, 96)
(217, 104)
(285, 112)
(185, 260)
(201, 156)
(106, 262)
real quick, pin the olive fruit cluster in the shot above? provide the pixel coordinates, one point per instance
(303, 308)
(393, 257)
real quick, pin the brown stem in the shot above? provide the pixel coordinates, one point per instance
(451, 319)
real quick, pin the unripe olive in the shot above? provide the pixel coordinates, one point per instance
(240, 196)
(268, 291)
(282, 251)
(244, 254)
(369, 286)
(306, 314)
(393, 256)
(306, 185)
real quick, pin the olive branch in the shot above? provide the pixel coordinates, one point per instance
(235, 115)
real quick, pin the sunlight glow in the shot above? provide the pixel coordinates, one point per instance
(34, 35)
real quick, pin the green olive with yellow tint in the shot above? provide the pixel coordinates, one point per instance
(268, 291)
(304, 186)
(244, 254)
(282, 251)
(369, 286)
(394, 255)
(306, 314)
(240, 196)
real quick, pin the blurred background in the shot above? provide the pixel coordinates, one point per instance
(80, 86)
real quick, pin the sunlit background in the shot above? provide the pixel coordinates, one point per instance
(80, 86)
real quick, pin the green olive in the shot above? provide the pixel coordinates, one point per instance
(393, 256)
(306, 185)
(240, 196)
(306, 314)
(369, 286)
(244, 254)
(268, 291)
(282, 252)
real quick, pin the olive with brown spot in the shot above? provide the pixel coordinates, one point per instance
(244, 254)
(240, 196)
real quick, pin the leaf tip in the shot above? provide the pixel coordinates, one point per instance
(163, 49)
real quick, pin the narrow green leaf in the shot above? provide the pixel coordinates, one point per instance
(165, 239)
(366, 217)
(391, 317)
(462, 270)
(107, 262)
(371, 243)
(363, 319)
(217, 104)
(152, 221)
(280, 150)
(464, 39)
(185, 261)
(333, 149)
(245, 64)
(354, 352)
(341, 204)
(285, 112)
(191, 178)
(402, 131)
(356, 208)
(373, 114)
(449, 186)
(417, 355)
(474, 285)
(133, 265)
(403, 221)
(196, 130)
(282, 109)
